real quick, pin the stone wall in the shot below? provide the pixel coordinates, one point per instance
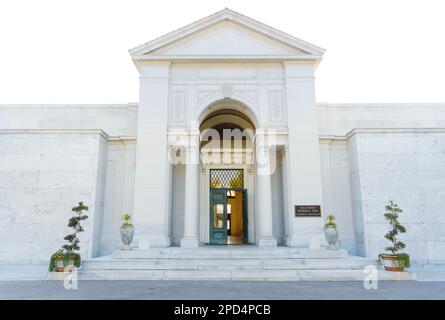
(407, 166)
(119, 191)
(43, 174)
(339, 119)
(50, 159)
(337, 189)
(114, 119)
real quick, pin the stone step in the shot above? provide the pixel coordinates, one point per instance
(243, 252)
(241, 263)
(241, 275)
(227, 264)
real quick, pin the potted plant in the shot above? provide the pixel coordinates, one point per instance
(394, 261)
(57, 261)
(331, 233)
(127, 232)
(67, 258)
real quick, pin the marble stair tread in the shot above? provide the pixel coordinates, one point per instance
(227, 253)
(244, 275)
(229, 263)
(243, 263)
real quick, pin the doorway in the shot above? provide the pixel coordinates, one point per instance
(228, 207)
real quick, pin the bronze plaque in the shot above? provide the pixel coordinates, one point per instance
(307, 211)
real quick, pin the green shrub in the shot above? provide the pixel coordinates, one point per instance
(392, 216)
(68, 251)
(330, 222)
(126, 217)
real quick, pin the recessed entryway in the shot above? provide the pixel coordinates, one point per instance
(228, 207)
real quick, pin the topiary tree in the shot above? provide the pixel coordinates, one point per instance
(74, 223)
(69, 251)
(392, 216)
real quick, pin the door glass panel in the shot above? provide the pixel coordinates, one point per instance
(226, 178)
(230, 193)
(229, 211)
(218, 216)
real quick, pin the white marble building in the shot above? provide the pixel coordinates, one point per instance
(224, 71)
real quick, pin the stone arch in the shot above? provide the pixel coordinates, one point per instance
(227, 114)
(241, 112)
(227, 154)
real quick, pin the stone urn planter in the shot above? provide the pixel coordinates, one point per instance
(127, 232)
(331, 233)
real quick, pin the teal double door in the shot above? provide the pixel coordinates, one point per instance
(220, 223)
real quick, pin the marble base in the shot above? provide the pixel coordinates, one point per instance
(147, 242)
(267, 242)
(189, 242)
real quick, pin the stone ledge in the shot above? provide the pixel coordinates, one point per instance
(54, 131)
(399, 276)
(251, 252)
(60, 276)
(244, 275)
(322, 254)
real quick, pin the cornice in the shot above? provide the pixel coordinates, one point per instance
(54, 131)
(393, 130)
(308, 58)
(69, 106)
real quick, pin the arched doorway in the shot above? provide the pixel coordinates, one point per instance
(222, 182)
(227, 155)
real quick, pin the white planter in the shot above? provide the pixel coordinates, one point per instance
(331, 235)
(127, 234)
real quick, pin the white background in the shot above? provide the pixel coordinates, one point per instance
(56, 51)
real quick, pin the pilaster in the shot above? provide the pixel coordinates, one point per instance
(153, 172)
(303, 159)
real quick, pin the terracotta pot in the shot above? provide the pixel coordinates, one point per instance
(70, 266)
(59, 264)
(390, 262)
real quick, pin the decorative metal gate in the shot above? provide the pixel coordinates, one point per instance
(226, 179)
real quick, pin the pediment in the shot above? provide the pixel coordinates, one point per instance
(226, 33)
(227, 38)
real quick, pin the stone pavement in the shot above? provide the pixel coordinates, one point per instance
(38, 271)
(29, 282)
(221, 290)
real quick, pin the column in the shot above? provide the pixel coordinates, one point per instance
(287, 208)
(191, 213)
(264, 195)
(303, 157)
(152, 173)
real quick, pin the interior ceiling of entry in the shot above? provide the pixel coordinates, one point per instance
(226, 125)
(226, 115)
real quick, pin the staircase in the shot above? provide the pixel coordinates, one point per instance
(238, 263)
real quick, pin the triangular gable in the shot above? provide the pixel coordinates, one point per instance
(227, 33)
